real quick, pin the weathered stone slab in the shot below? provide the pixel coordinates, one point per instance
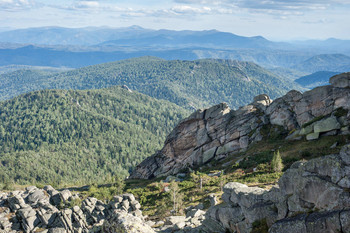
(326, 125)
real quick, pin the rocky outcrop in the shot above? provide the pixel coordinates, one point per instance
(205, 135)
(340, 80)
(191, 223)
(310, 197)
(213, 133)
(45, 210)
(34, 210)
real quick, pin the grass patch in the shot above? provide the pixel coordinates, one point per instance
(260, 226)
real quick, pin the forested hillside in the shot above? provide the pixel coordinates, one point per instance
(325, 62)
(199, 83)
(313, 80)
(21, 81)
(61, 136)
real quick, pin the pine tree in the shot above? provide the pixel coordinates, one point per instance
(176, 197)
(276, 163)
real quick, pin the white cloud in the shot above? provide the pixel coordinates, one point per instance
(16, 5)
(183, 9)
(87, 4)
(294, 7)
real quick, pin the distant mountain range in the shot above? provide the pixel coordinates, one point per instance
(79, 47)
(134, 36)
(198, 83)
(76, 57)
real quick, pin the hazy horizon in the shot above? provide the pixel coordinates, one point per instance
(277, 20)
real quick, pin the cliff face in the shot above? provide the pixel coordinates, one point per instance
(213, 133)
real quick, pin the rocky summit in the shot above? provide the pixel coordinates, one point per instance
(213, 133)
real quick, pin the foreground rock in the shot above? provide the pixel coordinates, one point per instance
(34, 210)
(191, 223)
(43, 210)
(310, 197)
(213, 133)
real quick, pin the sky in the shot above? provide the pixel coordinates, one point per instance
(280, 20)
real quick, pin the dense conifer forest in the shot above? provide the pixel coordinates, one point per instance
(78, 137)
(199, 83)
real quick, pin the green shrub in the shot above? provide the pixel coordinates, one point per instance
(276, 163)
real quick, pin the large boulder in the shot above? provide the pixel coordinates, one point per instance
(326, 125)
(121, 221)
(28, 218)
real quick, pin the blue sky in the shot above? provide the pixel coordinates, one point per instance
(273, 19)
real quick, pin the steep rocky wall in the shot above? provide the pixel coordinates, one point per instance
(213, 133)
(310, 197)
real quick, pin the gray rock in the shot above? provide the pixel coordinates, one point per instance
(64, 220)
(307, 130)
(65, 195)
(212, 199)
(179, 225)
(323, 222)
(340, 80)
(244, 142)
(57, 230)
(129, 196)
(312, 136)
(5, 223)
(28, 218)
(56, 199)
(296, 224)
(126, 205)
(135, 205)
(16, 202)
(37, 195)
(326, 125)
(345, 154)
(345, 220)
(172, 220)
(262, 99)
(31, 189)
(49, 189)
(194, 213)
(78, 218)
(209, 154)
(121, 221)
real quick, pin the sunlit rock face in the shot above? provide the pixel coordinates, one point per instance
(215, 132)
